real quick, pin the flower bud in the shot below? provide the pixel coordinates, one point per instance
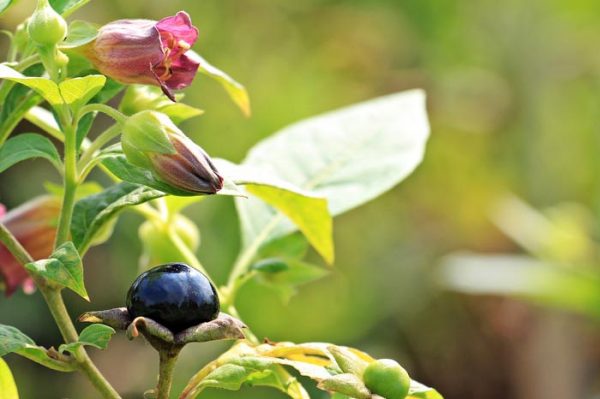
(46, 27)
(34, 225)
(147, 52)
(152, 141)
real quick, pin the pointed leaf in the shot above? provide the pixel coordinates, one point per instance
(67, 7)
(96, 335)
(236, 91)
(92, 213)
(80, 33)
(63, 268)
(349, 157)
(43, 86)
(14, 341)
(25, 146)
(77, 92)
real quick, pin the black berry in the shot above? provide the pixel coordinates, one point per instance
(174, 295)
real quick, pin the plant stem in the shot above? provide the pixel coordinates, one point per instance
(70, 179)
(61, 316)
(105, 109)
(96, 145)
(168, 358)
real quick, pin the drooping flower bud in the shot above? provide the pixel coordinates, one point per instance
(34, 225)
(152, 141)
(147, 52)
(46, 27)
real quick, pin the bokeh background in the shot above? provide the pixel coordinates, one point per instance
(513, 102)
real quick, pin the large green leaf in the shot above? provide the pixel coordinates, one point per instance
(349, 157)
(8, 388)
(96, 335)
(25, 146)
(14, 341)
(92, 213)
(63, 268)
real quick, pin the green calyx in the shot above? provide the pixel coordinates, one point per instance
(46, 27)
(145, 133)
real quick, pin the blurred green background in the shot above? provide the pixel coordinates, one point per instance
(514, 104)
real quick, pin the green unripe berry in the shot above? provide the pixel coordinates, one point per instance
(385, 377)
(46, 27)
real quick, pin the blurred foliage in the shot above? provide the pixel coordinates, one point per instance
(513, 99)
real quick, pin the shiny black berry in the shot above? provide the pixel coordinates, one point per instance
(174, 295)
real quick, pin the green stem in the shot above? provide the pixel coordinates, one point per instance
(70, 179)
(105, 109)
(96, 145)
(61, 316)
(166, 369)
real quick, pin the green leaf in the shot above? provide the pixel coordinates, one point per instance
(307, 211)
(96, 335)
(5, 4)
(286, 275)
(26, 146)
(118, 165)
(346, 384)
(67, 7)
(14, 341)
(8, 388)
(80, 33)
(349, 157)
(309, 214)
(142, 97)
(92, 213)
(77, 92)
(236, 91)
(43, 86)
(292, 246)
(421, 391)
(63, 268)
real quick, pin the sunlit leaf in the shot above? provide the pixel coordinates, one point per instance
(77, 92)
(349, 157)
(236, 91)
(8, 388)
(43, 86)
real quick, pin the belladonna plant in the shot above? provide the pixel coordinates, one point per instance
(286, 191)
